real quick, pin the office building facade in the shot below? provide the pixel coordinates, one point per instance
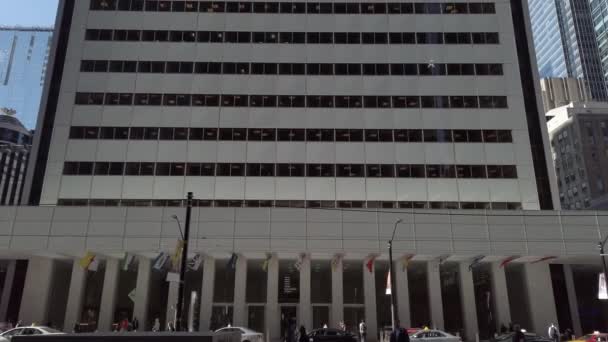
(558, 92)
(566, 46)
(24, 56)
(15, 145)
(305, 130)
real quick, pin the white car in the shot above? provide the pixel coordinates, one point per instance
(434, 336)
(247, 335)
(37, 330)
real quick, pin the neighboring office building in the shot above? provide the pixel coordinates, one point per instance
(24, 55)
(599, 12)
(15, 144)
(557, 92)
(565, 43)
(351, 114)
(579, 140)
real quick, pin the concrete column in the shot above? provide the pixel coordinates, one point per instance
(337, 294)
(467, 297)
(572, 302)
(73, 309)
(109, 294)
(207, 293)
(273, 321)
(435, 300)
(305, 299)
(369, 294)
(7, 289)
(172, 301)
(142, 292)
(500, 295)
(37, 291)
(541, 302)
(403, 294)
(240, 293)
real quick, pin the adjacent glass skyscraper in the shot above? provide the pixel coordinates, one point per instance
(565, 42)
(23, 60)
(599, 13)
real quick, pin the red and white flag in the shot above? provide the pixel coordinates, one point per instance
(388, 283)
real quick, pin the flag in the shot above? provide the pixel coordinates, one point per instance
(160, 261)
(195, 263)
(131, 295)
(507, 261)
(405, 261)
(602, 293)
(388, 283)
(128, 260)
(94, 265)
(335, 261)
(266, 262)
(232, 261)
(370, 263)
(86, 261)
(543, 259)
(475, 262)
(176, 257)
(299, 262)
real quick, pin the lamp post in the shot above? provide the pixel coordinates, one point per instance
(394, 313)
(182, 270)
(603, 256)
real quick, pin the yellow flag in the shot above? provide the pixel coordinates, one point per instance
(86, 261)
(175, 258)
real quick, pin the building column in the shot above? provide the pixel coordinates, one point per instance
(305, 298)
(73, 309)
(142, 292)
(541, 301)
(273, 317)
(240, 293)
(500, 295)
(207, 293)
(109, 294)
(337, 294)
(467, 297)
(403, 294)
(172, 302)
(572, 301)
(369, 294)
(37, 291)
(7, 289)
(435, 301)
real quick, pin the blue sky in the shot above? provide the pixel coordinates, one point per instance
(28, 12)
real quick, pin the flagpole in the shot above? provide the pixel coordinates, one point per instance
(182, 270)
(394, 313)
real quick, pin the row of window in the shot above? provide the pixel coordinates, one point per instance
(288, 170)
(294, 37)
(291, 134)
(290, 204)
(295, 7)
(367, 69)
(296, 101)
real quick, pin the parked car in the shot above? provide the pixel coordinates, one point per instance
(38, 330)
(247, 335)
(529, 337)
(434, 336)
(595, 337)
(331, 335)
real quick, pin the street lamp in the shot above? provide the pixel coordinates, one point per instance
(394, 314)
(602, 255)
(182, 270)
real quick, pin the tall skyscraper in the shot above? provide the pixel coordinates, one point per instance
(15, 144)
(564, 39)
(599, 12)
(24, 56)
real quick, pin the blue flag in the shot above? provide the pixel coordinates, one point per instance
(232, 262)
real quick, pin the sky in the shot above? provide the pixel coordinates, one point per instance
(28, 13)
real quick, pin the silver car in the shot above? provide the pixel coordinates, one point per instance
(38, 330)
(247, 335)
(434, 336)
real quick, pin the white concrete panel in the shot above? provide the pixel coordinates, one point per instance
(259, 188)
(504, 190)
(350, 189)
(474, 190)
(439, 153)
(352, 152)
(75, 186)
(172, 151)
(142, 151)
(289, 188)
(411, 189)
(291, 152)
(116, 150)
(443, 190)
(380, 189)
(232, 151)
(320, 153)
(410, 153)
(229, 187)
(202, 187)
(168, 187)
(261, 152)
(469, 153)
(138, 187)
(109, 187)
(500, 153)
(380, 153)
(323, 189)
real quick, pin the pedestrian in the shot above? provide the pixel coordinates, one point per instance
(135, 324)
(399, 334)
(303, 336)
(291, 330)
(342, 326)
(170, 326)
(518, 336)
(124, 325)
(156, 325)
(503, 329)
(362, 331)
(553, 333)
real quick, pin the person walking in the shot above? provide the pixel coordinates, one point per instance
(135, 324)
(399, 334)
(303, 336)
(553, 333)
(518, 336)
(362, 331)
(156, 325)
